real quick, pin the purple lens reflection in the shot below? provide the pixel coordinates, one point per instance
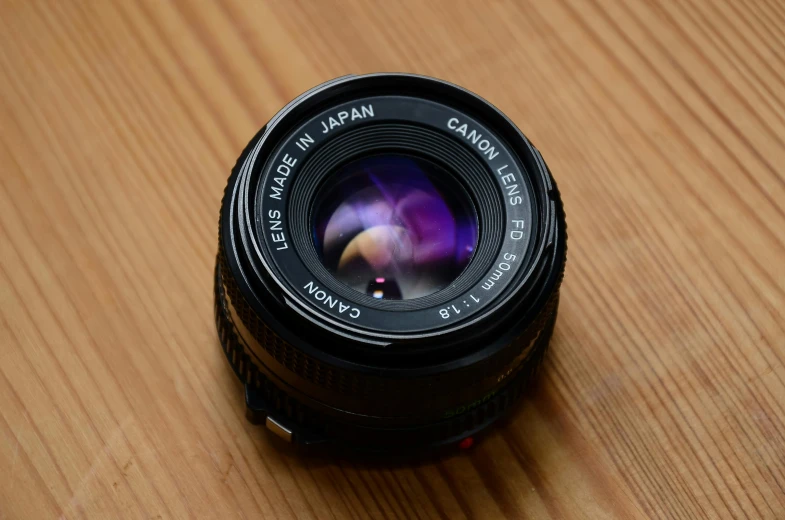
(394, 227)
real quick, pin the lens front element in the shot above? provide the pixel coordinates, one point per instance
(394, 226)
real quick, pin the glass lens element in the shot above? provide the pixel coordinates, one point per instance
(394, 227)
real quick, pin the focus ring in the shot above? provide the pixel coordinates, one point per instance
(310, 425)
(362, 386)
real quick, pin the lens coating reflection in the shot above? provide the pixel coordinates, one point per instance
(394, 227)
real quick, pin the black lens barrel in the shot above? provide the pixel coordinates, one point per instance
(324, 363)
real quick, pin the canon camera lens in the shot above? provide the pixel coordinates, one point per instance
(389, 259)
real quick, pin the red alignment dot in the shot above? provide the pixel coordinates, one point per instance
(466, 443)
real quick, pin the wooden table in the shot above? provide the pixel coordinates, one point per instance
(664, 122)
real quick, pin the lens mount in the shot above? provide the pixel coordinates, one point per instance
(348, 359)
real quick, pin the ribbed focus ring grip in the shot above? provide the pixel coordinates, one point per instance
(318, 425)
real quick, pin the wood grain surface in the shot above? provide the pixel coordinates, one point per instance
(664, 393)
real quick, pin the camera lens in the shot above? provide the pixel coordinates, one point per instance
(390, 226)
(390, 253)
